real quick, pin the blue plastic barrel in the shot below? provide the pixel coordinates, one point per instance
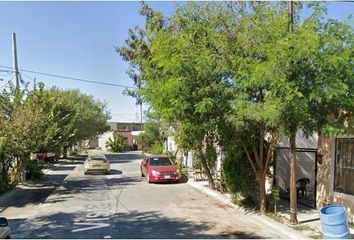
(334, 222)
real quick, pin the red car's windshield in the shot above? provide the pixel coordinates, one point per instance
(159, 162)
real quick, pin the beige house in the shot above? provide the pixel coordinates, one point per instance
(329, 165)
(335, 175)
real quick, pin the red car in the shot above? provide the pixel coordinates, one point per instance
(159, 169)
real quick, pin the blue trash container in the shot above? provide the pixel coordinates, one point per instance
(334, 222)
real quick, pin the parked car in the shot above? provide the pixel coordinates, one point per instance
(159, 169)
(97, 164)
(5, 231)
(47, 157)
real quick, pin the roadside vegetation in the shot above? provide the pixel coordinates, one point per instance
(43, 120)
(240, 75)
(117, 144)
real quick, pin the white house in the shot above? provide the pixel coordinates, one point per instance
(103, 139)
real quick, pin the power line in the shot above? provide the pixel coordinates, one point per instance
(70, 78)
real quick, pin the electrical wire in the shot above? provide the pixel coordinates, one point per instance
(70, 78)
(7, 83)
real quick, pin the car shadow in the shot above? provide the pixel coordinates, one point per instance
(116, 172)
(183, 180)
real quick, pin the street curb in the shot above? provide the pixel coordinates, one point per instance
(284, 230)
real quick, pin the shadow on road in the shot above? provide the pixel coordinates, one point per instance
(34, 191)
(62, 168)
(133, 224)
(122, 157)
(88, 184)
(242, 235)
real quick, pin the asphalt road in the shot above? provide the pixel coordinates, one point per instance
(123, 205)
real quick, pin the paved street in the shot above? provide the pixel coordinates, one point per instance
(123, 205)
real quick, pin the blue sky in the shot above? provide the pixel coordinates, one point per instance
(77, 39)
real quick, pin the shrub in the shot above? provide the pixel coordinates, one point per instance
(238, 175)
(73, 153)
(171, 155)
(156, 148)
(5, 186)
(34, 170)
(117, 144)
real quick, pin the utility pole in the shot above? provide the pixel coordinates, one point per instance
(15, 64)
(293, 192)
(141, 116)
(17, 79)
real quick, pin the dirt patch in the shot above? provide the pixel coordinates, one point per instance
(222, 206)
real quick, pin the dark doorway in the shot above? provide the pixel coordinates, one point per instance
(306, 169)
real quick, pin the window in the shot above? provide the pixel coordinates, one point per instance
(344, 166)
(157, 161)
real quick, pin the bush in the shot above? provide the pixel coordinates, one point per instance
(171, 155)
(34, 170)
(156, 148)
(238, 175)
(73, 153)
(5, 186)
(117, 144)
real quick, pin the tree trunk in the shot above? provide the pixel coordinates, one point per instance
(3, 169)
(262, 173)
(206, 167)
(262, 193)
(293, 197)
(65, 152)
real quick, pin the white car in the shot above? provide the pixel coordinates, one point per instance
(5, 231)
(97, 164)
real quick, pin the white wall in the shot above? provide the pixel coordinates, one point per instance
(103, 139)
(301, 141)
(171, 144)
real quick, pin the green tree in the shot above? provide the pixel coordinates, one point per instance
(44, 120)
(214, 64)
(155, 131)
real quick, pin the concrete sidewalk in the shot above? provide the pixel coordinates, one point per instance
(284, 229)
(34, 191)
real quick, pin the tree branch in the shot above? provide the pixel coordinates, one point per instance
(251, 162)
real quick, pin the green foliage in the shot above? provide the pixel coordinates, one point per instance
(276, 197)
(116, 144)
(156, 148)
(238, 175)
(73, 153)
(44, 120)
(153, 131)
(171, 155)
(276, 193)
(216, 66)
(34, 169)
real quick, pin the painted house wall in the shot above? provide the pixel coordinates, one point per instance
(325, 179)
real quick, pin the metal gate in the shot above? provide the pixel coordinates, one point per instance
(306, 168)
